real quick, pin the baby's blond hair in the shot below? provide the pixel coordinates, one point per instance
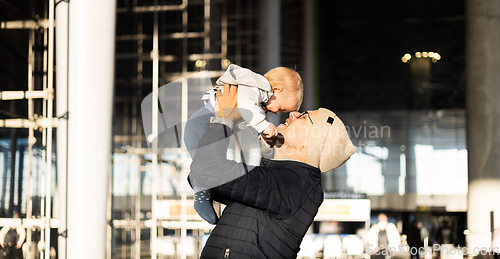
(288, 79)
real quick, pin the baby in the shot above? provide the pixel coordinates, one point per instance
(280, 89)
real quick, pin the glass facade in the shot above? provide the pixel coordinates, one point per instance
(398, 152)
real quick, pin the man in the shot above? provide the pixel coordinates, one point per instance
(383, 238)
(269, 207)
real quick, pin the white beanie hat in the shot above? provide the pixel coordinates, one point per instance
(329, 145)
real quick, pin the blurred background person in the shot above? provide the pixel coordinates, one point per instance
(495, 243)
(414, 239)
(383, 237)
(444, 234)
(424, 233)
(12, 239)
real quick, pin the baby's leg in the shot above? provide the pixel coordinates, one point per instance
(194, 130)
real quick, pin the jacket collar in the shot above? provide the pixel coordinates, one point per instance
(271, 162)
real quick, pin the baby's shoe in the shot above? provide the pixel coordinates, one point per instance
(203, 205)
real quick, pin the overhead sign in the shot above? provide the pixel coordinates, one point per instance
(344, 210)
(344, 195)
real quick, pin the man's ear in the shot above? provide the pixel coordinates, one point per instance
(277, 89)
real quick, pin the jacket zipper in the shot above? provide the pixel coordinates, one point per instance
(226, 254)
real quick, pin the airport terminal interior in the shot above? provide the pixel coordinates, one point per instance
(394, 71)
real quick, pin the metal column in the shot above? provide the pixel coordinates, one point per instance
(62, 130)
(154, 119)
(310, 69)
(90, 80)
(482, 52)
(269, 41)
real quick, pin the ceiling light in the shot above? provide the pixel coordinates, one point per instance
(225, 63)
(200, 63)
(434, 56)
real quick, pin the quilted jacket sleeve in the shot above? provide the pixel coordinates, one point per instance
(210, 168)
(275, 190)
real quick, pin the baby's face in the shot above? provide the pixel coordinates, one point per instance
(283, 101)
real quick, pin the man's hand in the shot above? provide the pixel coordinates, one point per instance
(227, 103)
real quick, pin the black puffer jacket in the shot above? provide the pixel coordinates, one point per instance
(269, 208)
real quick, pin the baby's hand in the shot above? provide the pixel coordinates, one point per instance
(270, 131)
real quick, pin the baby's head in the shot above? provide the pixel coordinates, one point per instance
(287, 87)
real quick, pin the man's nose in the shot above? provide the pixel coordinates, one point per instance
(293, 115)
